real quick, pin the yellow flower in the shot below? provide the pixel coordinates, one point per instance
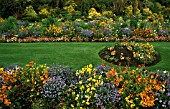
(88, 103)
(1, 70)
(131, 101)
(132, 105)
(31, 95)
(94, 80)
(72, 105)
(92, 88)
(88, 85)
(80, 82)
(77, 73)
(83, 101)
(32, 89)
(89, 70)
(100, 76)
(41, 78)
(116, 35)
(89, 79)
(83, 69)
(82, 87)
(76, 98)
(73, 93)
(96, 84)
(88, 97)
(88, 90)
(90, 65)
(38, 93)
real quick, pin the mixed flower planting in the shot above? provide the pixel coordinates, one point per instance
(130, 54)
(83, 29)
(104, 86)
(41, 86)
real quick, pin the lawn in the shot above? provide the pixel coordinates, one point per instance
(73, 54)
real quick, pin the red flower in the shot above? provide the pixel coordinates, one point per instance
(25, 88)
(31, 63)
(19, 86)
(17, 95)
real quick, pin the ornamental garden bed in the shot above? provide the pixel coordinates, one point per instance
(122, 81)
(103, 86)
(57, 86)
(130, 54)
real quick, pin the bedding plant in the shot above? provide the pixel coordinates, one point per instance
(130, 54)
(57, 86)
(20, 86)
(139, 88)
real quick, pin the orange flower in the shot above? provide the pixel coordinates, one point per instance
(157, 87)
(6, 102)
(5, 77)
(138, 78)
(4, 87)
(146, 80)
(9, 87)
(103, 60)
(1, 97)
(147, 100)
(112, 73)
(118, 81)
(37, 73)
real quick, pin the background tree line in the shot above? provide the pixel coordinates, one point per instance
(17, 8)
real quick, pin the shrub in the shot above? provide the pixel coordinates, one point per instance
(8, 27)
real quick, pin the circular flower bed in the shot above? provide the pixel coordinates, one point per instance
(131, 54)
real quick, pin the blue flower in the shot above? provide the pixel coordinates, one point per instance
(87, 33)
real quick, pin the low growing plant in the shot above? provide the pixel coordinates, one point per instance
(130, 54)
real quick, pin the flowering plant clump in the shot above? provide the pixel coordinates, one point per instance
(90, 91)
(59, 70)
(21, 86)
(162, 97)
(57, 86)
(93, 13)
(54, 90)
(130, 53)
(137, 87)
(145, 33)
(163, 33)
(97, 28)
(53, 30)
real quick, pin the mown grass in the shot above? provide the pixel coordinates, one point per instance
(73, 54)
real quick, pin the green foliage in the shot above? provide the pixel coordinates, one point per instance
(9, 27)
(135, 8)
(30, 13)
(129, 11)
